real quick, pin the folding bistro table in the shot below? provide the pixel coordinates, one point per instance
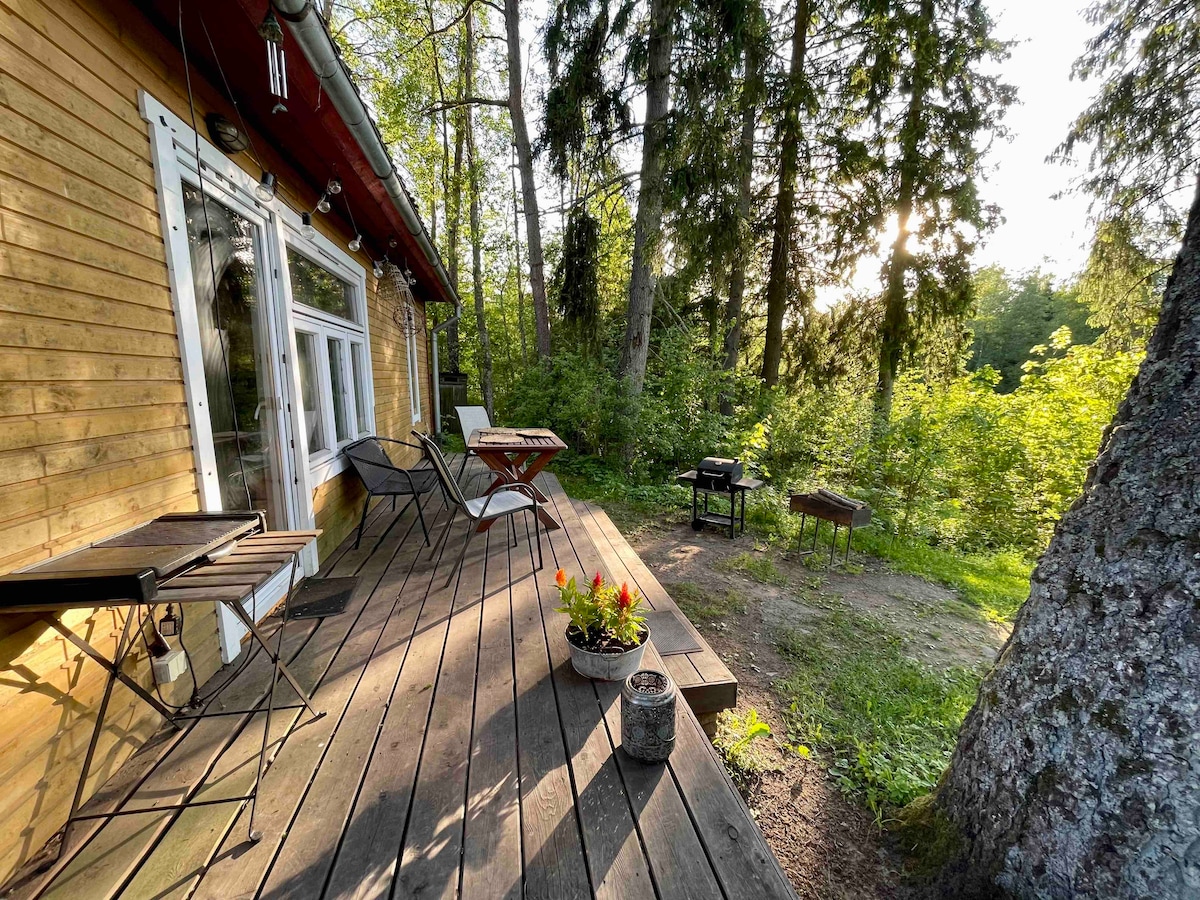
(181, 558)
(516, 455)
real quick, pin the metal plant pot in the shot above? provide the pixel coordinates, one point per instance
(607, 666)
(648, 716)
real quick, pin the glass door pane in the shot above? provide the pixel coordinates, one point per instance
(337, 381)
(235, 343)
(310, 389)
(360, 388)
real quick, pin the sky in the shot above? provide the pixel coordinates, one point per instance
(1039, 230)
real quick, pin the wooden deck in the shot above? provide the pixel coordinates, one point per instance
(460, 754)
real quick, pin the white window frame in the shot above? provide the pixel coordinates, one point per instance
(320, 251)
(174, 152)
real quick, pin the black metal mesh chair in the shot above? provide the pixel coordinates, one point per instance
(506, 500)
(383, 478)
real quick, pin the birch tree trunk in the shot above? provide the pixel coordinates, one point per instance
(473, 188)
(533, 228)
(1077, 773)
(648, 224)
(785, 203)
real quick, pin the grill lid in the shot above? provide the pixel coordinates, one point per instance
(717, 464)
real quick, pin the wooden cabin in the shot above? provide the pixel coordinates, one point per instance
(174, 337)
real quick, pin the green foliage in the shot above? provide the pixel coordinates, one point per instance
(1013, 316)
(576, 280)
(738, 741)
(884, 723)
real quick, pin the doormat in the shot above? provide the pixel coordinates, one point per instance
(669, 634)
(320, 597)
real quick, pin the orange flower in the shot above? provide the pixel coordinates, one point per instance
(625, 598)
(560, 578)
(597, 582)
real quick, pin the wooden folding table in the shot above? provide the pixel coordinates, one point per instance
(516, 455)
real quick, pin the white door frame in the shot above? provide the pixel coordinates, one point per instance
(174, 144)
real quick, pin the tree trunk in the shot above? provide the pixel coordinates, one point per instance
(648, 224)
(737, 268)
(485, 347)
(454, 224)
(520, 288)
(533, 228)
(785, 203)
(1077, 773)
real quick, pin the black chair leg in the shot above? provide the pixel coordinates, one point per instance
(362, 521)
(421, 519)
(463, 467)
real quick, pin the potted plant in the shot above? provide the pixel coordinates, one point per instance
(606, 634)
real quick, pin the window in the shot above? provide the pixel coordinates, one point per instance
(332, 349)
(314, 286)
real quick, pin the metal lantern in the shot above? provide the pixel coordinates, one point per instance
(227, 136)
(648, 716)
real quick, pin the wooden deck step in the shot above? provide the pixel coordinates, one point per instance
(706, 682)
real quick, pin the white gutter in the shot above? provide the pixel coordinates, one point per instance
(310, 33)
(437, 376)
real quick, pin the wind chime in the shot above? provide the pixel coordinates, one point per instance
(272, 33)
(403, 313)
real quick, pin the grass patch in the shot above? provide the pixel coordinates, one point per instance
(702, 604)
(996, 584)
(758, 567)
(631, 507)
(741, 742)
(884, 724)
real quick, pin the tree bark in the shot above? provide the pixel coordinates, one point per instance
(473, 189)
(454, 226)
(785, 203)
(737, 268)
(1077, 773)
(520, 288)
(533, 228)
(648, 224)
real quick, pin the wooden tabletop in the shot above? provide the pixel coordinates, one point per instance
(514, 440)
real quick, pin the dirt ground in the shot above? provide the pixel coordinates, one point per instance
(829, 846)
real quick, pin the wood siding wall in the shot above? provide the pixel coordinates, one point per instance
(94, 434)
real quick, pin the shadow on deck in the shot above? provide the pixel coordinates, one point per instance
(460, 754)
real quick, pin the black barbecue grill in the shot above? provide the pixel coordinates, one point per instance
(720, 477)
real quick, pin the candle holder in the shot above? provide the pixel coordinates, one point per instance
(648, 715)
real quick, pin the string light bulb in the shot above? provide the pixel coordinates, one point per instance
(323, 205)
(306, 226)
(265, 189)
(355, 244)
(378, 270)
(334, 186)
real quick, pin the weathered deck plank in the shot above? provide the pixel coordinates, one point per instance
(492, 835)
